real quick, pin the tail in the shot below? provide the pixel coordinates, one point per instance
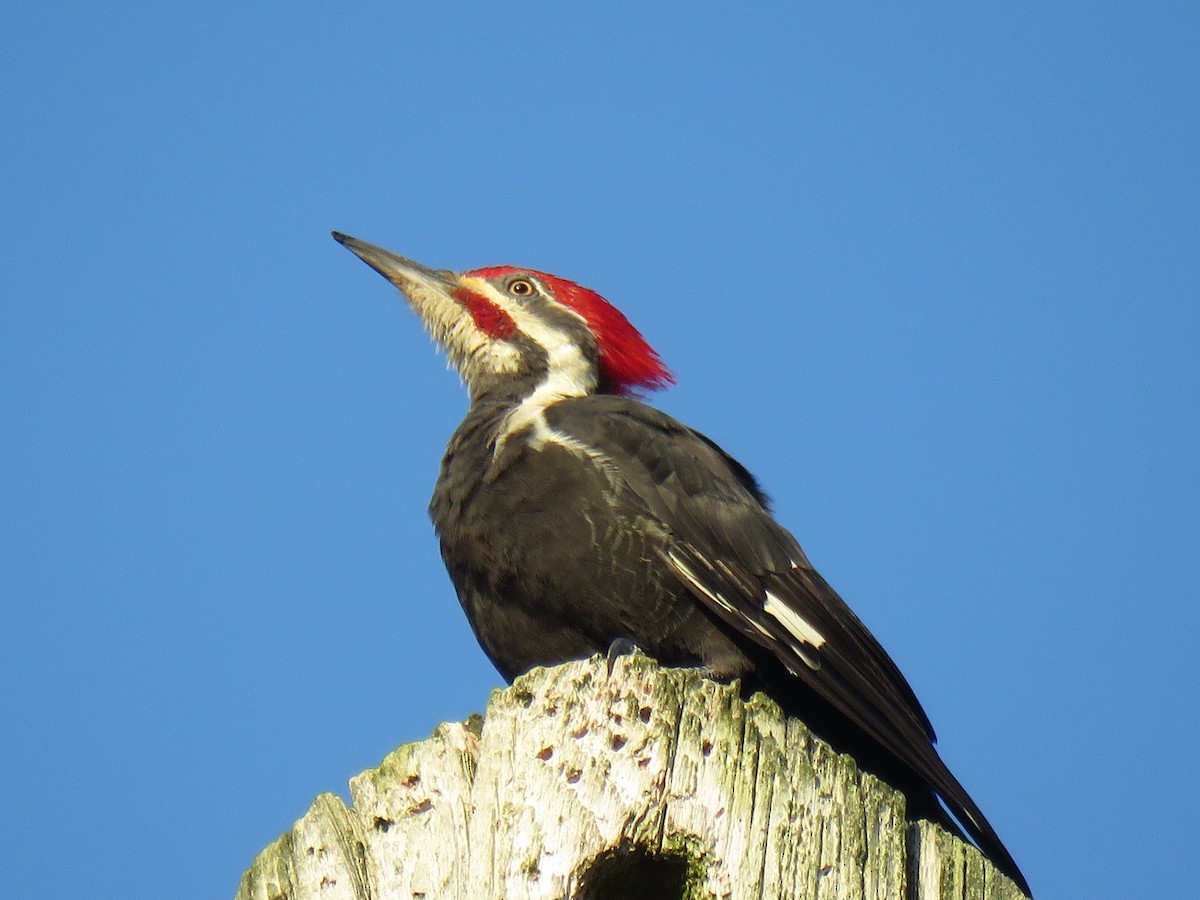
(972, 821)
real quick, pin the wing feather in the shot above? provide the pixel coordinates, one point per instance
(728, 551)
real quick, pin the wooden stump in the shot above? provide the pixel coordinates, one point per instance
(646, 784)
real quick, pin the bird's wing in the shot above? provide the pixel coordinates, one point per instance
(733, 557)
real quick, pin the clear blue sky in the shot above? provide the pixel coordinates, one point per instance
(932, 274)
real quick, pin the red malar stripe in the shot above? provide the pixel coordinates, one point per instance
(488, 317)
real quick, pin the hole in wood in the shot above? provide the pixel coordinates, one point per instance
(635, 872)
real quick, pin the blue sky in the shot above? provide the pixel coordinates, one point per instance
(931, 274)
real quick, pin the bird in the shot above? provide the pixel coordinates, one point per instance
(575, 519)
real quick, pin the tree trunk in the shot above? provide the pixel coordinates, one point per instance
(646, 784)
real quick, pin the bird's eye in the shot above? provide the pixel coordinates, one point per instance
(520, 287)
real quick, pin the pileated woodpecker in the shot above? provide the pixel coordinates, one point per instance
(574, 518)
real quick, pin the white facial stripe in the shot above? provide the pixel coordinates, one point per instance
(533, 415)
(570, 373)
(795, 624)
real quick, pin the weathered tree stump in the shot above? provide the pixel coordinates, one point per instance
(646, 784)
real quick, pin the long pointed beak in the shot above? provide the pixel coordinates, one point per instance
(409, 276)
(433, 294)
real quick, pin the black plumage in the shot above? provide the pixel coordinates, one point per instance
(571, 517)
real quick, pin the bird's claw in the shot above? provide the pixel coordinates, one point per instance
(618, 648)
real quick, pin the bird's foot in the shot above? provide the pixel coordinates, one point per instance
(618, 648)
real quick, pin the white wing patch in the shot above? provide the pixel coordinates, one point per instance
(692, 579)
(772, 606)
(797, 626)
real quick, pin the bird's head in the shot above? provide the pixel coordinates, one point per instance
(507, 328)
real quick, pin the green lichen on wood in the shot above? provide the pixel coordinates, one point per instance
(945, 868)
(270, 876)
(581, 775)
